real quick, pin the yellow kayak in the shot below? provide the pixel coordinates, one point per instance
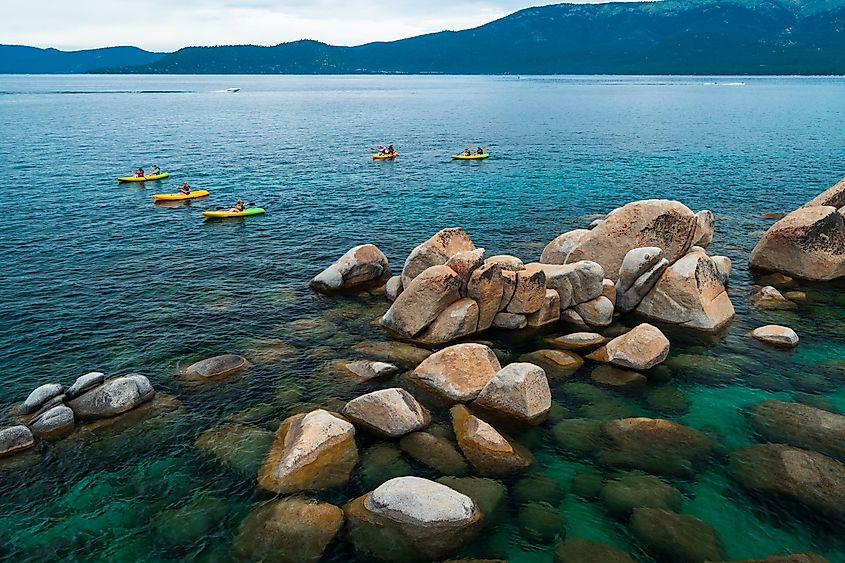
(148, 178)
(225, 214)
(470, 157)
(379, 156)
(180, 196)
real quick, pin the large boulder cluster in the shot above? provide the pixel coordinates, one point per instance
(808, 243)
(51, 411)
(647, 258)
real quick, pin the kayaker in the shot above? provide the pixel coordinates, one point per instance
(480, 150)
(390, 150)
(140, 172)
(466, 152)
(238, 208)
(185, 188)
(156, 169)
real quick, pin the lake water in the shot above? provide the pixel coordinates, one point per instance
(98, 278)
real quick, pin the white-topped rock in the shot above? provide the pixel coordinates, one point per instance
(85, 383)
(361, 266)
(776, 335)
(314, 450)
(367, 369)
(388, 412)
(113, 397)
(215, 367)
(54, 423)
(519, 391)
(418, 501)
(15, 439)
(40, 396)
(596, 312)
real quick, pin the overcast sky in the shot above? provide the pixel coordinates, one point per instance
(166, 25)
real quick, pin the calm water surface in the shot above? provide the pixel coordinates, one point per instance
(98, 278)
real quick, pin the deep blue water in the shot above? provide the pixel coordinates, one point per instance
(97, 277)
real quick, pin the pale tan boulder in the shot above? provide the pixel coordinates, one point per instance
(314, 450)
(776, 335)
(412, 519)
(436, 251)
(608, 290)
(509, 279)
(530, 291)
(391, 413)
(486, 287)
(596, 312)
(640, 270)
(723, 268)
(422, 301)
(519, 391)
(769, 298)
(457, 320)
(506, 262)
(464, 263)
(575, 283)
(458, 372)
(485, 448)
(510, 321)
(704, 227)
(578, 341)
(834, 196)
(361, 266)
(641, 348)
(393, 288)
(808, 243)
(549, 313)
(691, 294)
(668, 225)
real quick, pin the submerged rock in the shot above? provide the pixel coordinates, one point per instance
(800, 425)
(808, 243)
(239, 447)
(412, 519)
(578, 341)
(382, 462)
(809, 479)
(776, 335)
(290, 530)
(366, 369)
(489, 495)
(641, 348)
(634, 490)
(388, 412)
(769, 298)
(536, 488)
(556, 363)
(14, 439)
(519, 391)
(668, 400)
(487, 450)
(435, 452)
(422, 301)
(400, 353)
(212, 368)
(540, 522)
(577, 434)
(113, 397)
(654, 445)
(191, 523)
(580, 550)
(360, 267)
(311, 451)
(40, 396)
(621, 379)
(458, 372)
(676, 537)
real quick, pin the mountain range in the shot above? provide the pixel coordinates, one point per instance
(664, 37)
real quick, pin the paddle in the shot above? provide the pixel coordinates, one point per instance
(250, 204)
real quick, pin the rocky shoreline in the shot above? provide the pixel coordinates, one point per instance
(442, 396)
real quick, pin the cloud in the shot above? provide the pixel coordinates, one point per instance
(162, 25)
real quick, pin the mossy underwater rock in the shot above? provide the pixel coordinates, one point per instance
(490, 495)
(668, 399)
(807, 479)
(402, 354)
(556, 363)
(577, 434)
(215, 368)
(485, 448)
(801, 426)
(580, 550)
(436, 452)
(673, 537)
(540, 522)
(380, 463)
(290, 530)
(239, 447)
(412, 519)
(654, 445)
(623, 380)
(177, 527)
(536, 488)
(623, 494)
(587, 484)
(315, 450)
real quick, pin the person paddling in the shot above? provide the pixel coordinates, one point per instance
(140, 172)
(156, 170)
(480, 151)
(185, 188)
(238, 208)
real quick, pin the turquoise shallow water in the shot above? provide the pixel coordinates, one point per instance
(97, 277)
